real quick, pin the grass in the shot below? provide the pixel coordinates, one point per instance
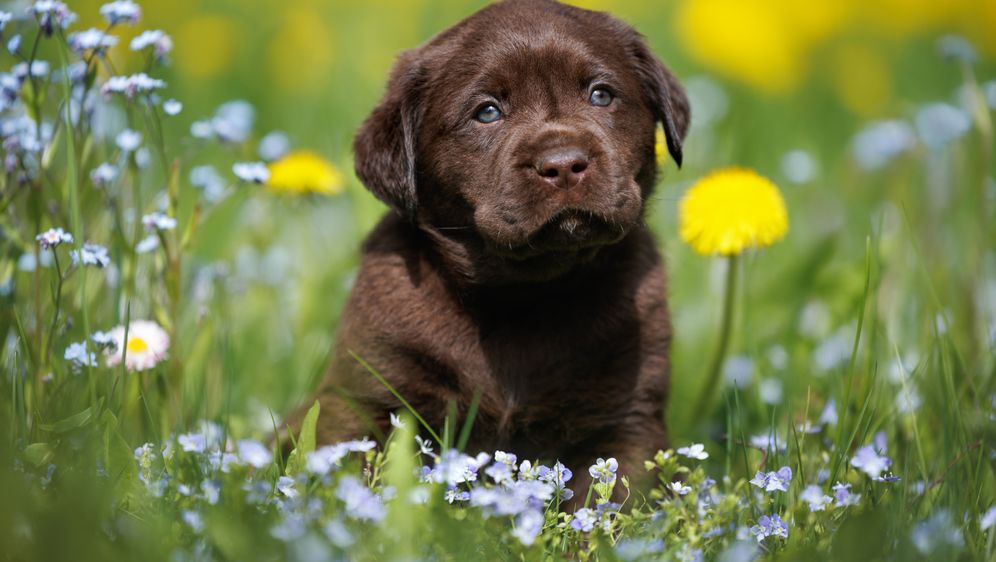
(874, 320)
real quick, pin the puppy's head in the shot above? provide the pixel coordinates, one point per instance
(528, 127)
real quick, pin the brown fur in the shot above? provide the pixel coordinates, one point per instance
(545, 294)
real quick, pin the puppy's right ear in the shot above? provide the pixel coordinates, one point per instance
(384, 147)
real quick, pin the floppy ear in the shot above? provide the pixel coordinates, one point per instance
(384, 147)
(665, 95)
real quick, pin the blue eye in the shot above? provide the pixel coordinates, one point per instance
(600, 97)
(488, 113)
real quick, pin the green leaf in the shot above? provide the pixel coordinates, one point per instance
(74, 421)
(305, 440)
(118, 457)
(39, 454)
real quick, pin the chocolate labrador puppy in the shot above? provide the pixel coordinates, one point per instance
(517, 151)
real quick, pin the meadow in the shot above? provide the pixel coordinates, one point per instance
(180, 224)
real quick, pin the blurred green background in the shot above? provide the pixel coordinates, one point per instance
(766, 77)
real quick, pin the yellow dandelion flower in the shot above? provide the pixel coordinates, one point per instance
(730, 210)
(303, 171)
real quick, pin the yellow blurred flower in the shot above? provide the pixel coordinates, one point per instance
(731, 210)
(660, 146)
(303, 171)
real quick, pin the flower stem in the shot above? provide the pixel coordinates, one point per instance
(712, 375)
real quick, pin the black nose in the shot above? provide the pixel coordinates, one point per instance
(562, 167)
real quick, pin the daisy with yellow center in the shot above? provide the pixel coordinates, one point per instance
(146, 346)
(725, 213)
(731, 210)
(303, 171)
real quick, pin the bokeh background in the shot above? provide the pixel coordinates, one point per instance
(777, 85)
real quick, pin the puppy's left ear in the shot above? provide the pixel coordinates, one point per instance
(384, 148)
(665, 95)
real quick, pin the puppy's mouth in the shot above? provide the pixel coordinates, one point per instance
(568, 232)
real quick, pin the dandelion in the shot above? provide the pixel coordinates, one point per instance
(53, 237)
(604, 470)
(146, 346)
(694, 451)
(157, 221)
(304, 172)
(252, 172)
(123, 11)
(91, 254)
(78, 354)
(725, 213)
(584, 520)
(769, 526)
(91, 40)
(731, 210)
(103, 175)
(154, 39)
(128, 140)
(172, 107)
(813, 495)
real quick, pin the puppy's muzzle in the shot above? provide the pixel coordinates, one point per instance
(563, 167)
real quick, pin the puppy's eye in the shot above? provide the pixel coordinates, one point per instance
(600, 97)
(488, 113)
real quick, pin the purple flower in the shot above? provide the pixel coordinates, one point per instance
(769, 526)
(130, 86)
(584, 520)
(172, 107)
(91, 254)
(322, 460)
(842, 493)
(285, 485)
(361, 502)
(254, 453)
(128, 140)
(103, 174)
(500, 472)
(80, 356)
(252, 172)
(777, 480)
(158, 222)
(694, 451)
(559, 475)
(528, 526)
(604, 470)
(53, 237)
(123, 11)
(91, 40)
(154, 39)
(51, 14)
(814, 496)
(870, 462)
(679, 488)
(988, 519)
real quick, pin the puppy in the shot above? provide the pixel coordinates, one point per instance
(517, 151)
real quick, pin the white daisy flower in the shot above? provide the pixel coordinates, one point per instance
(147, 345)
